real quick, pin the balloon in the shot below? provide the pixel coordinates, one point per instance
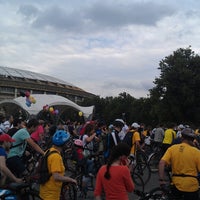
(34, 100)
(51, 109)
(80, 113)
(28, 103)
(31, 98)
(56, 112)
(27, 93)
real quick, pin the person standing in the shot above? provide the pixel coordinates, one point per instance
(184, 160)
(115, 178)
(52, 188)
(135, 139)
(112, 138)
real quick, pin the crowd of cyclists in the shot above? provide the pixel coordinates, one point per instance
(93, 138)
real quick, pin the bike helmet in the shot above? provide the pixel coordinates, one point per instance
(60, 137)
(78, 143)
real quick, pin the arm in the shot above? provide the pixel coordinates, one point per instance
(162, 165)
(35, 146)
(90, 138)
(6, 171)
(59, 177)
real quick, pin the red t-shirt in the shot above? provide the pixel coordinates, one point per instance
(36, 135)
(118, 186)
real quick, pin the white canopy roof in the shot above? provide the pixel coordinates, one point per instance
(50, 100)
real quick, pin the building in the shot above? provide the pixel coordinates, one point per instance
(46, 89)
(12, 81)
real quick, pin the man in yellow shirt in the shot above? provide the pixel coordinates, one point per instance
(52, 188)
(184, 160)
(169, 136)
(135, 138)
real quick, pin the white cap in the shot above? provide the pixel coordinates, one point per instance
(119, 120)
(135, 125)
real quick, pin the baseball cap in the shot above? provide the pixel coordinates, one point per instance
(135, 125)
(5, 137)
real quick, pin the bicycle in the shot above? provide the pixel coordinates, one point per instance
(139, 165)
(154, 157)
(19, 191)
(68, 191)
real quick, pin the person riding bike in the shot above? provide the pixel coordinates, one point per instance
(184, 160)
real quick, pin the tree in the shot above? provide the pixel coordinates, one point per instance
(176, 95)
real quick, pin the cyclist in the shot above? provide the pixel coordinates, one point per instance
(5, 144)
(184, 160)
(18, 153)
(52, 188)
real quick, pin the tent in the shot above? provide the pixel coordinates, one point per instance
(59, 102)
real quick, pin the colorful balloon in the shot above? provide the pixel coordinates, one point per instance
(80, 113)
(51, 109)
(56, 112)
(27, 93)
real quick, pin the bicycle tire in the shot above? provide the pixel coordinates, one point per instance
(143, 170)
(157, 194)
(138, 181)
(153, 161)
(68, 192)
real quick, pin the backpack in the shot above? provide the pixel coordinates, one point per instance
(43, 171)
(128, 138)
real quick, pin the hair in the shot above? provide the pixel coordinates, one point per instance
(16, 121)
(122, 149)
(32, 122)
(89, 128)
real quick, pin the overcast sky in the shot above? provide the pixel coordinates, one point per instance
(102, 46)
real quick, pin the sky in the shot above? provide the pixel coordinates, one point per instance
(105, 47)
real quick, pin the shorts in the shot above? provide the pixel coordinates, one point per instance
(16, 165)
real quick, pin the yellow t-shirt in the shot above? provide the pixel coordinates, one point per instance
(170, 134)
(136, 137)
(184, 159)
(51, 189)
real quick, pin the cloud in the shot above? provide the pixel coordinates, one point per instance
(97, 16)
(104, 47)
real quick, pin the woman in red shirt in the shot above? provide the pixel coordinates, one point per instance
(115, 178)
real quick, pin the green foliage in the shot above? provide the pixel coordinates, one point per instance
(175, 97)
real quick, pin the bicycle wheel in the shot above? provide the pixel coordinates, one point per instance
(144, 171)
(68, 192)
(153, 162)
(157, 194)
(32, 195)
(139, 183)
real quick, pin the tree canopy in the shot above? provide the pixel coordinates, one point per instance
(174, 98)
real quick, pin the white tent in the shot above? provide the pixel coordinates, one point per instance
(50, 100)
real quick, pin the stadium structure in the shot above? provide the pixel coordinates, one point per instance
(12, 81)
(47, 89)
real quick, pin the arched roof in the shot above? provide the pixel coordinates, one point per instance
(50, 100)
(7, 71)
